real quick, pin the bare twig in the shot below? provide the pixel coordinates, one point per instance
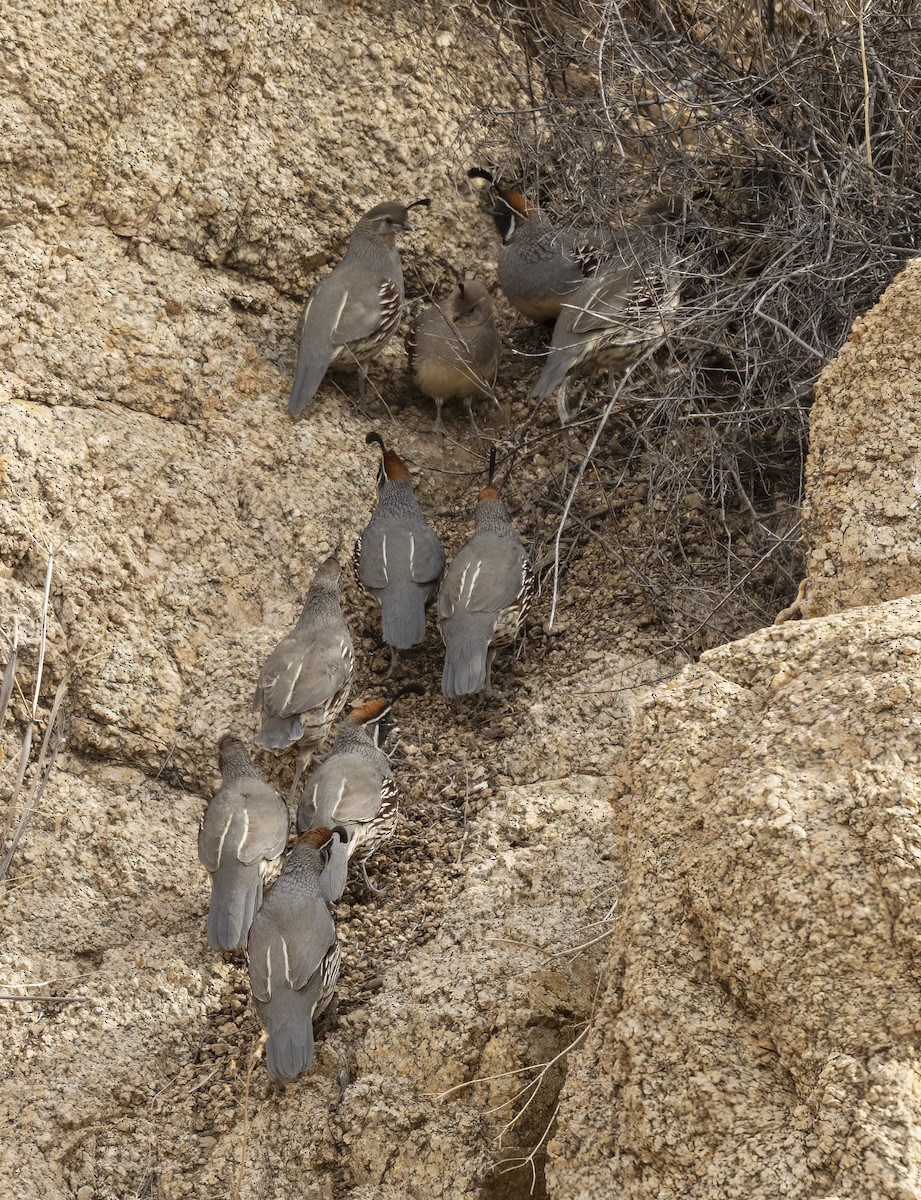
(28, 733)
(800, 205)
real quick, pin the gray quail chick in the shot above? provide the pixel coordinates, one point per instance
(483, 598)
(354, 787)
(454, 348)
(355, 310)
(293, 952)
(398, 557)
(243, 831)
(305, 681)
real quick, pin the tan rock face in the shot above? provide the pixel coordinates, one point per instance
(759, 1034)
(161, 169)
(862, 517)
(741, 1022)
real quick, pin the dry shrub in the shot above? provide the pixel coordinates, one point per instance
(794, 136)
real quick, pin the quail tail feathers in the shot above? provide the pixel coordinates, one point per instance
(403, 615)
(311, 368)
(278, 733)
(466, 655)
(235, 893)
(289, 1049)
(552, 377)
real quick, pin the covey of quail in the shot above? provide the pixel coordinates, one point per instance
(539, 264)
(354, 310)
(483, 598)
(293, 952)
(398, 558)
(243, 832)
(354, 787)
(453, 349)
(305, 681)
(613, 318)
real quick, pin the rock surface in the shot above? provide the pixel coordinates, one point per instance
(862, 517)
(669, 956)
(759, 1032)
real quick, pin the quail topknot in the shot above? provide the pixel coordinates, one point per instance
(398, 557)
(354, 787)
(293, 952)
(483, 597)
(454, 347)
(356, 308)
(305, 681)
(243, 832)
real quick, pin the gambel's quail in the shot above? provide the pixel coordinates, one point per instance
(355, 309)
(293, 952)
(610, 321)
(305, 682)
(539, 264)
(354, 787)
(243, 831)
(399, 558)
(482, 598)
(454, 349)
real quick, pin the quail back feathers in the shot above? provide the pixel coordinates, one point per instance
(305, 681)
(398, 557)
(243, 831)
(483, 598)
(292, 951)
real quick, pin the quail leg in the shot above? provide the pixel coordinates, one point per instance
(375, 891)
(561, 406)
(394, 659)
(487, 686)
(304, 759)
(468, 401)
(439, 427)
